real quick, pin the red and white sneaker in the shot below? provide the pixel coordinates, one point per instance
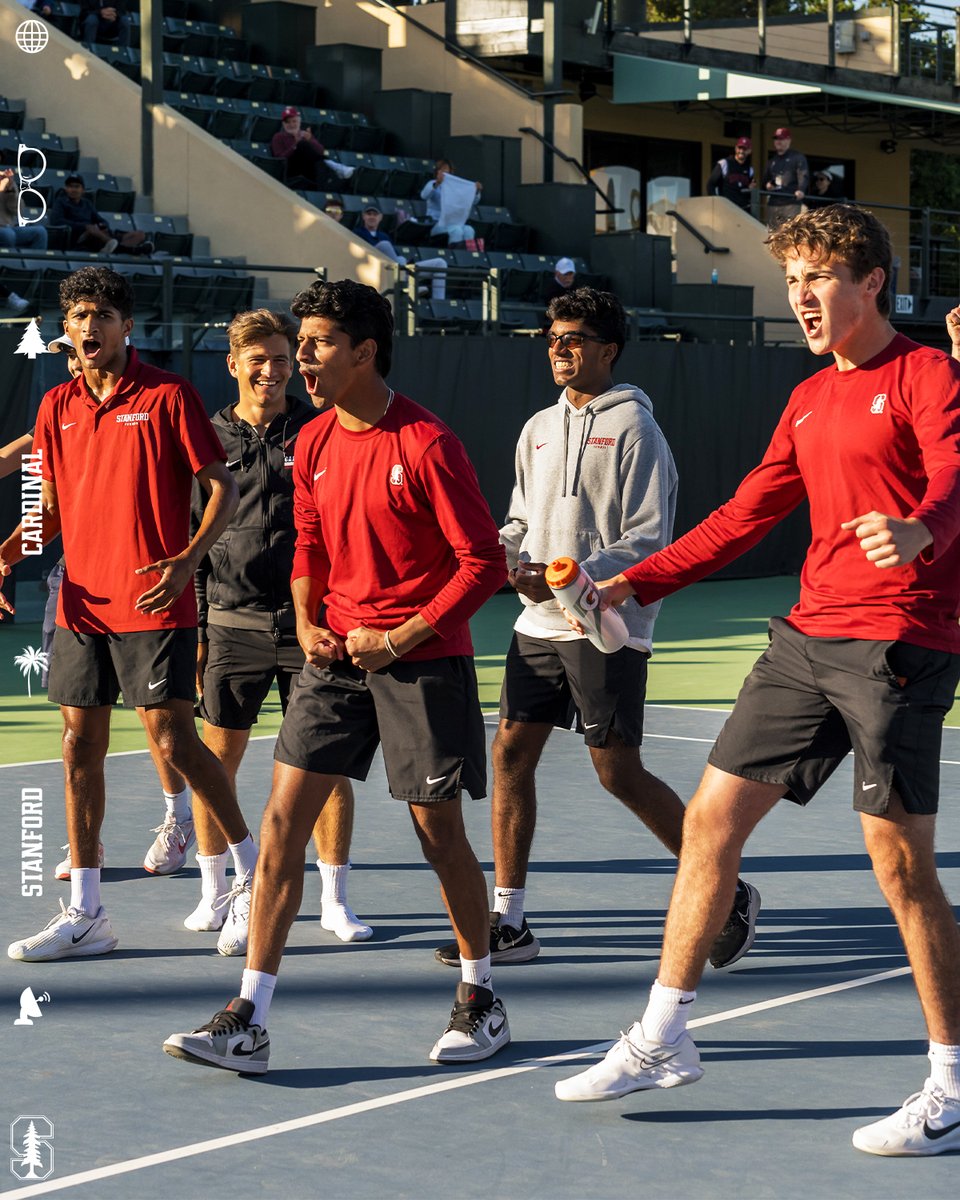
(62, 869)
(169, 851)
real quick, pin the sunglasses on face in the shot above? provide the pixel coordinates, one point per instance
(572, 341)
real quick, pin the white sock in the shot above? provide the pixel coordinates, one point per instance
(945, 1068)
(244, 856)
(213, 875)
(666, 1016)
(178, 806)
(477, 971)
(336, 915)
(257, 987)
(85, 889)
(509, 903)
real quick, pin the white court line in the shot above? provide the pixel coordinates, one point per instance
(430, 1089)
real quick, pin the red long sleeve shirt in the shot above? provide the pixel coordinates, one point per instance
(392, 522)
(885, 437)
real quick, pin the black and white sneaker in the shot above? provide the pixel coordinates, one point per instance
(736, 937)
(507, 945)
(229, 1041)
(478, 1027)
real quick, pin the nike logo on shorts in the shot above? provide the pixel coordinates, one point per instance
(439, 779)
(593, 726)
(151, 686)
(866, 787)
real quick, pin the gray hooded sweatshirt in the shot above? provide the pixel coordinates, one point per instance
(597, 484)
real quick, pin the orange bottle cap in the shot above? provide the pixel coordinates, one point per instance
(561, 572)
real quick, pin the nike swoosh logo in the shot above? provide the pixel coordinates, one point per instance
(934, 1134)
(239, 1050)
(867, 786)
(541, 445)
(70, 425)
(439, 779)
(82, 935)
(151, 686)
(803, 418)
(495, 1030)
(235, 463)
(317, 474)
(593, 726)
(647, 1063)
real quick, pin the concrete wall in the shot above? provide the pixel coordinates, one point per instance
(237, 206)
(481, 104)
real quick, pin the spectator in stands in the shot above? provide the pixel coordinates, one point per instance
(13, 235)
(88, 230)
(105, 21)
(435, 268)
(564, 276)
(303, 153)
(733, 177)
(11, 300)
(786, 180)
(826, 190)
(457, 235)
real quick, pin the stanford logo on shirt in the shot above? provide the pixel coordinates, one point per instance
(132, 418)
(396, 475)
(878, 402)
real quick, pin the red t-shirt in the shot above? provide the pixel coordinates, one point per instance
(392, 522)
(123, 468)
(884, 436)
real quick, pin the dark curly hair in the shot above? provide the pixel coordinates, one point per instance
(97, 283)
(601, 312)
(357, 310)
(842, 231)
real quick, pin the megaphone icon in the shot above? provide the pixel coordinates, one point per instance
(30, 1006)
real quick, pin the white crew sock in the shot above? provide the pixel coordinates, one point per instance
(257, 987)
(477, 971)
(178, 806)
(213, 875)
(508, 902)
(336, 915)
(85, 889)
(244, 857)
(945, 1068)
(665, 1018)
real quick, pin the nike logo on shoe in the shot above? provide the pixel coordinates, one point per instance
(83, 935)
(647, 1064)
(495, 1031)
(239, 1050)
(934, 1134)
(151, 686)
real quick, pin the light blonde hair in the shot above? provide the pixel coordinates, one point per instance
(249, 328)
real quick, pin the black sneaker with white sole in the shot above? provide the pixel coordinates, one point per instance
(478, 1027)
(736, 937)
(507, 945)
(229, 1041)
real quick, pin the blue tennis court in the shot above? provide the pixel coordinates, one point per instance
(815, 1032)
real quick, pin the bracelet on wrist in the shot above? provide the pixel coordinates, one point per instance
(389, 646)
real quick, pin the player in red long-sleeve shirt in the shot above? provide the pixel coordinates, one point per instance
(396, 549)
(869, 659)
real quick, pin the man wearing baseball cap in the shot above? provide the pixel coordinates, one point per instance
(303, 153)
(733, 176)
(786, 180)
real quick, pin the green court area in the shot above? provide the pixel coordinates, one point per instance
(707, 638)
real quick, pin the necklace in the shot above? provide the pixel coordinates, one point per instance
(390, 395)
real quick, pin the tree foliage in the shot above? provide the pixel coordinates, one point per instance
(723, 10)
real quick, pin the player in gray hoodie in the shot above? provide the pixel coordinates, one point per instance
(595, 481)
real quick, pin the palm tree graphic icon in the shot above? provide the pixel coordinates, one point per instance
(30, 661)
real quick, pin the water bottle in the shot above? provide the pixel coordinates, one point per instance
(714, 276)
(577, 592)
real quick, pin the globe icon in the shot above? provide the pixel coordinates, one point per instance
(32, 36)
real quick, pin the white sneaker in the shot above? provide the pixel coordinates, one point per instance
(236, 927)
(229, 1041)
(635, 1064)
(17, 303)
(62, 869)
(169, 850)
(71, 934)
(344, 922)
(928, 1123)
(478, 1027)
(209, 915)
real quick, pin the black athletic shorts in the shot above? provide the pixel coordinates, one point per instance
(426, 714)
(809, 701)
(241, 667)
(552, 681)
(88, 670)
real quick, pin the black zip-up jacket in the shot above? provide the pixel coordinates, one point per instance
(244, 580)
